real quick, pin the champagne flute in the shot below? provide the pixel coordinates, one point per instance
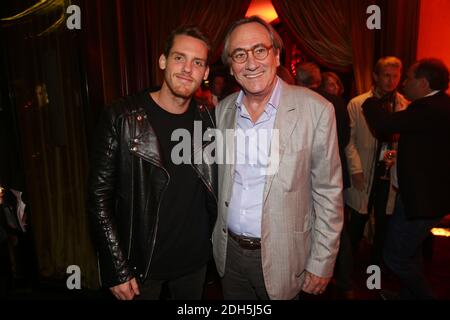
(388, 158)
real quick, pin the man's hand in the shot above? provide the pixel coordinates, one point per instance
(314, 284)
(126, 290)
(358, 181)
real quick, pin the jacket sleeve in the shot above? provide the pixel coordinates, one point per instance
(326, 180)
(101, 202)
(353, 158)
(416, 118)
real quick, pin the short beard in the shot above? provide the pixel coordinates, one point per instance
(179, 94)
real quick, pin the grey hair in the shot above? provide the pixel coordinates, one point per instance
(277, 42)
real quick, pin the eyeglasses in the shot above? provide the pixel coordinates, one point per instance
(259, 51)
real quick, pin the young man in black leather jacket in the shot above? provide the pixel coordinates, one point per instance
(151, 215)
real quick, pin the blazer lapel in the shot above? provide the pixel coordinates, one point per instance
(285, 122)
(229, 127)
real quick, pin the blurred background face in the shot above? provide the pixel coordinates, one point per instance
(331, 86)
(387, 79)
(185, 67)
(218, 85)
(257, 77)
(411, 85)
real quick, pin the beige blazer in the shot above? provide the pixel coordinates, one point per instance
(302, 209)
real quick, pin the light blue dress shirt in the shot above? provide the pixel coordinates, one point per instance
(252, 145)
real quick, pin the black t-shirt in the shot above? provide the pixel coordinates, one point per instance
(182, 240)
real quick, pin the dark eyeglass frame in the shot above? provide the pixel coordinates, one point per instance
(252, 49)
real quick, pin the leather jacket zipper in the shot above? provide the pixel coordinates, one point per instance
(206, 183)
(157, 218)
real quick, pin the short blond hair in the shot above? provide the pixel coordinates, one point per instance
(387, 62)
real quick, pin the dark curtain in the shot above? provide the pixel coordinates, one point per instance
(116, 50)
(400, 29)
(123, 42)
(213, 17)
(335, 34)
(47, 87)
(363, 43)
(320, 28)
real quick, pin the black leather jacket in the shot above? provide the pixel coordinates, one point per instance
(126, 183)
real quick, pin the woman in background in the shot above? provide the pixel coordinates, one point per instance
(332, 84)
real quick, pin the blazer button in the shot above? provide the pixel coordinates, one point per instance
(226, 203)
(133, 149)
(136, 140)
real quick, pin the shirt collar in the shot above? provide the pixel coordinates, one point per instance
(375, 93)
(432, 93)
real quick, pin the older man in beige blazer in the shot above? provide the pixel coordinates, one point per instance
(299, 217)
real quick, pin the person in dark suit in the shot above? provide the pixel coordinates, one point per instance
(423, 170)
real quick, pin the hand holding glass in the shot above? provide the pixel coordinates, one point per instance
(389, 160)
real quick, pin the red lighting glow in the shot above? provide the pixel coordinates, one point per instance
(262, 8)
(434, 28)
